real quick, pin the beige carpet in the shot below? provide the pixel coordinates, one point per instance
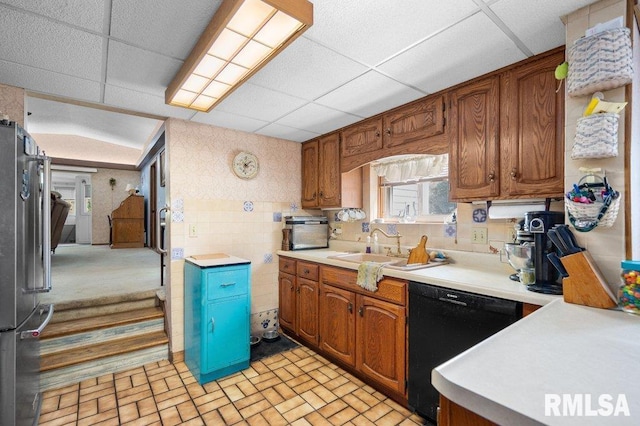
(80, 272)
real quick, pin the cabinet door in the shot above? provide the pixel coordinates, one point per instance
(532, 130)
(307, 310)
(226, 333)
(473, 151)
(381, 342)
(416, 122)
(337, 328)
(329, 178)
(362, 137)
(310, 155)
(287, 304)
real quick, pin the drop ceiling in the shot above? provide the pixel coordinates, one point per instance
(360, 57)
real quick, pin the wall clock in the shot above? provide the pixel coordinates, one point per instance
(245, 165)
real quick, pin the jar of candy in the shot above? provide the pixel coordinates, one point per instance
(629, 294)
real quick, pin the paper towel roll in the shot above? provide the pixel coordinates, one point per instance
(513, 211)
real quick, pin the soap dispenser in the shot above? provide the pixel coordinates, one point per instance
(375, 244)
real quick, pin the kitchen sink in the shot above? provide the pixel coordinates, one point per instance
(387, 261)
(364, 257)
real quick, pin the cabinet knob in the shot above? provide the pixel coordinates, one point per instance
(492, 176)
(298, 290)
(377, 133)
(313, 197)
(321, 194)
(514, 173)
(388, 131)
(306, 271)
(213, 324)
(350, 308)
(361, 311)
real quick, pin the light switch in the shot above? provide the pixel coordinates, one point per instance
(479, 236)
(193, 230)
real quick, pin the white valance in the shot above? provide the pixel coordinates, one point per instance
(413, 167)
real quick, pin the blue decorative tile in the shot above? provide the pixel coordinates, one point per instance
(177, 217)
(480, 215)
(277, 216)
(177, 205)
(365, 227)
(265, 323)
(294, 207)
(177, 253)
(450, 230)
(268, 258)
(248, 206)
(392, 229)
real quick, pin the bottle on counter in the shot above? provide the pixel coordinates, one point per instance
(368, 249)
(375, 244)
(629, 293)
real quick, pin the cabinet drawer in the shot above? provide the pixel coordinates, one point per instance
(307, 270)
(391, 289)
(287, 265)
(227, 282)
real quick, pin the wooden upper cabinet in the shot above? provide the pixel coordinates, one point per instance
(362, 137)
(474, 155)
(532, 129)
(329, 178)
(415, 122)
(310, 154)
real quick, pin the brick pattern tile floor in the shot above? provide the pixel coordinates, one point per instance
(297, 387)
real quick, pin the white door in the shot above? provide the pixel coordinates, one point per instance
(83, 209)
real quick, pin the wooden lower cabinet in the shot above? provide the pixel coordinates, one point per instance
(338, 327)
(381, 342)
(452, 414)
(307, 310)
(287, 305)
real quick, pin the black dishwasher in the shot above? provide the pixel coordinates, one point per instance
(442, 324)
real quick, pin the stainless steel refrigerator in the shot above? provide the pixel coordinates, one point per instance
(25, 266)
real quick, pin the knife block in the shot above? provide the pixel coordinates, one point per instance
(585, 284)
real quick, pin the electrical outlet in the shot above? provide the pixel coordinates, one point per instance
(193, 230)
(479, 236)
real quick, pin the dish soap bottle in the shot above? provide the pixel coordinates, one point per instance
(368, 249)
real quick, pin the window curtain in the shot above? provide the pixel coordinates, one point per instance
(412, 168)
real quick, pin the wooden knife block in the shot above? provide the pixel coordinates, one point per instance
(585, 284)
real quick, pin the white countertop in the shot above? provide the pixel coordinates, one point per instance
(218, 261)
(474, 272)
(559, 349)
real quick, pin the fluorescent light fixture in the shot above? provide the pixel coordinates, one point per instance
(241, 38)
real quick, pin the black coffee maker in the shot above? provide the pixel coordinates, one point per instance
(537, 224)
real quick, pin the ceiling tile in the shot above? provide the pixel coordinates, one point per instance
(377, 29)
(87, 14)
(284, 132)
(306, 69)
(228, 120)
(369, 94)
(471, 48)
(143, 102)
(318, 119)
(41, 43)
(152, 73)
(60, 118)
(43, 81)
(257, 102)
(167, 26)
(537, 23)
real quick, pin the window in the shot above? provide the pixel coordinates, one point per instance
(414, 188)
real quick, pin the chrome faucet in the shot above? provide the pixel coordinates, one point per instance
(397, 237)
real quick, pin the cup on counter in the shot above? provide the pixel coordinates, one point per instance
(527, 275)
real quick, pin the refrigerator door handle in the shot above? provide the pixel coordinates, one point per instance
(35, 333)
(46, 224)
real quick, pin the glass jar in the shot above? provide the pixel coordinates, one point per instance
(629, 294)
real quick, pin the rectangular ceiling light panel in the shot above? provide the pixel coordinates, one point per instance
(240, 39)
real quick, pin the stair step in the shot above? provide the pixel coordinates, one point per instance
(62, 315)
(102, 335)
(83, 325)
(60, 377)
(88, 353)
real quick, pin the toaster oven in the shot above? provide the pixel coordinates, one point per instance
(307, 232)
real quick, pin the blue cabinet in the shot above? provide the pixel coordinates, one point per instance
(216, 317)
